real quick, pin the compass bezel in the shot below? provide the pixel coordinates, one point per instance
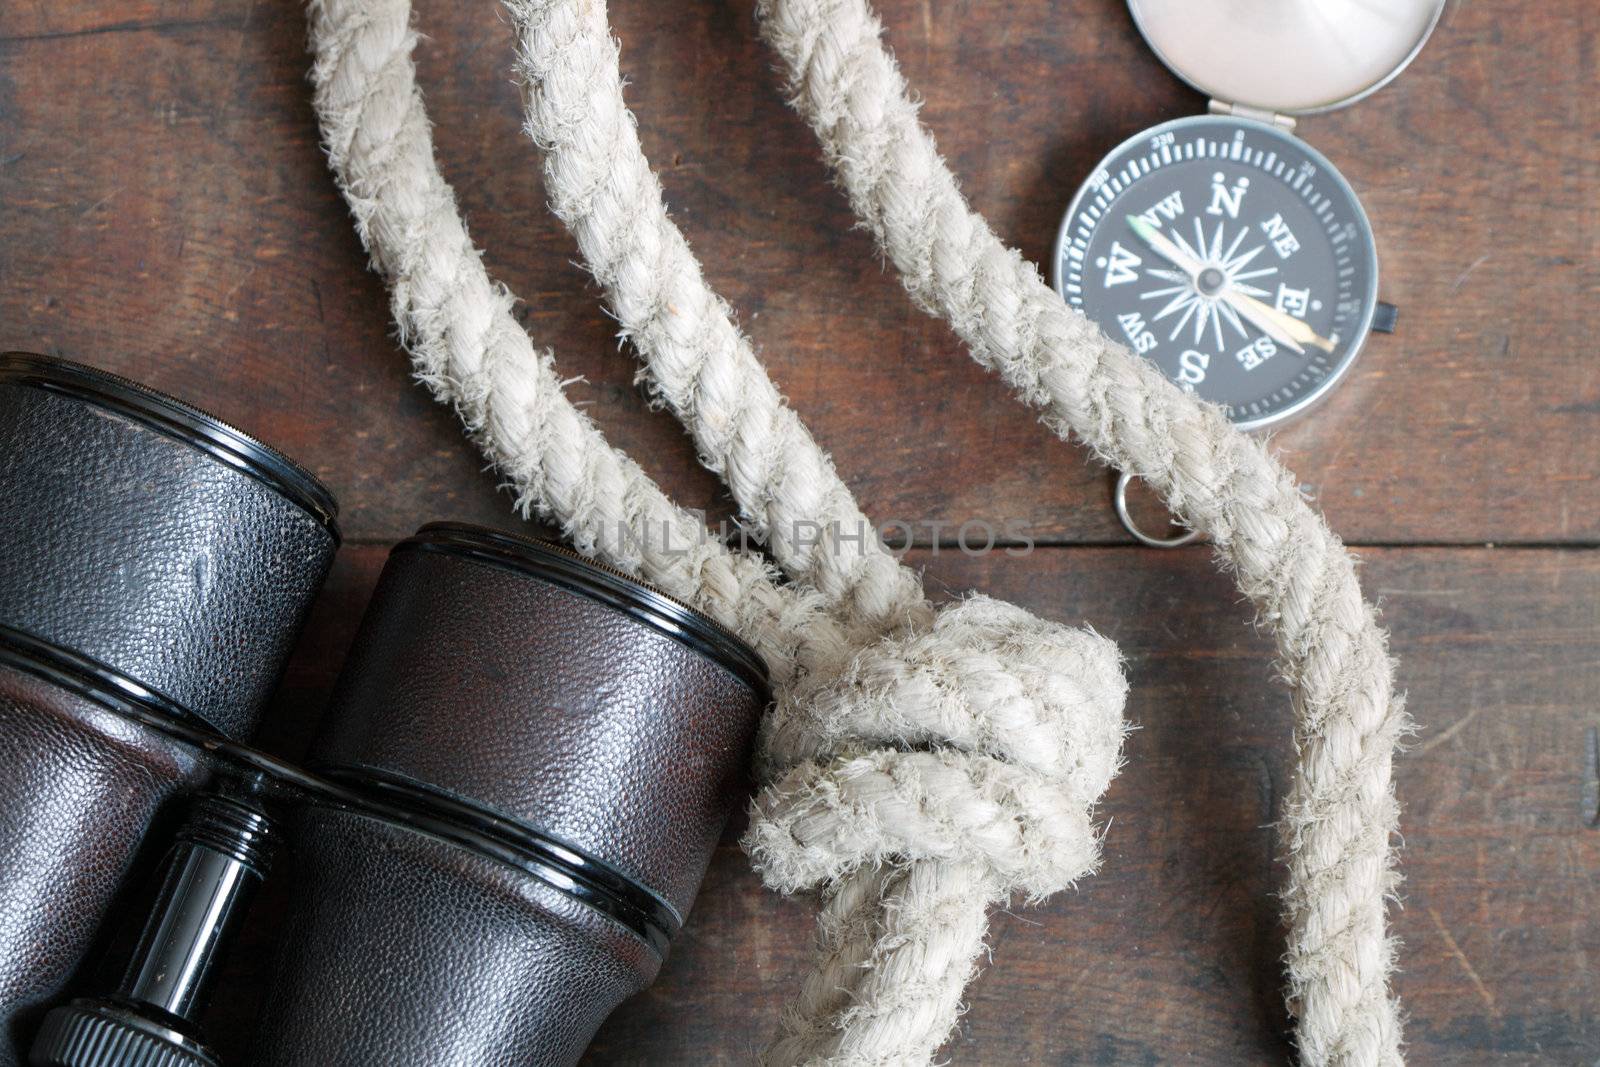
(1341, 365)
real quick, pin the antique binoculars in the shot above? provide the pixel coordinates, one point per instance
(526, 765)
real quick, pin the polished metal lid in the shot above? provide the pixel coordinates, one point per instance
(1292, 57)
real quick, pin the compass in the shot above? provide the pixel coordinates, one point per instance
(1223, 247)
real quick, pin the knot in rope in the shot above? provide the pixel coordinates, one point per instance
(922, 775)
(984, 738)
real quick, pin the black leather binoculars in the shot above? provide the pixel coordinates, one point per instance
(525, 768)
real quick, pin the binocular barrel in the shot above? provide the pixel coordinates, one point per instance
(526, 767)
(548, 752)
(155, 567)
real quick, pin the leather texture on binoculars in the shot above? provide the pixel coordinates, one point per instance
(155, 567)
(560, 747)
(81, 786)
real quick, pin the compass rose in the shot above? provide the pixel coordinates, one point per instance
(1197, 300)
(1228, 254)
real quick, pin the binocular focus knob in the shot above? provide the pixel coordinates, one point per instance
(219, 858)
(102, 1033)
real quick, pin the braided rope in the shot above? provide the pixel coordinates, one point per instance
(1341, 812)
(697, 362)
(470, 352)
(926, 764)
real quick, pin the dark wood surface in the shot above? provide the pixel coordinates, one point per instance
(165, 212)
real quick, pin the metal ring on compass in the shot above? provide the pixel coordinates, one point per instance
(1185, 538)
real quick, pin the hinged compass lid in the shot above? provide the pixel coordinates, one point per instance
(1290, 57)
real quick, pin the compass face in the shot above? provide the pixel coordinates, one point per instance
(1231, 254)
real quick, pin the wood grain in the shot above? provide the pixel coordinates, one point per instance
(165, 211)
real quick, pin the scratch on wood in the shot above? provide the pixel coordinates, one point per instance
(1461, 279)
(228, 296)
(1461, 958)
(98, 204)
(1393, 591)
(1449, 732)
(1591, 777)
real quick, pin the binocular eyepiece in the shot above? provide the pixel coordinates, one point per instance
(525, 768)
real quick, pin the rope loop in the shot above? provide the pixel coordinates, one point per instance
(984, 739)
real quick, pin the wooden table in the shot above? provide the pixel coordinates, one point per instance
(165, 212)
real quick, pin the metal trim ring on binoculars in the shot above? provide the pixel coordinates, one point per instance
(174, 417)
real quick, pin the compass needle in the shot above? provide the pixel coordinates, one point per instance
(1255, 311)
(1231, 255)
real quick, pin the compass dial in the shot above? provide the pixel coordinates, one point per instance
(1231, 254)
